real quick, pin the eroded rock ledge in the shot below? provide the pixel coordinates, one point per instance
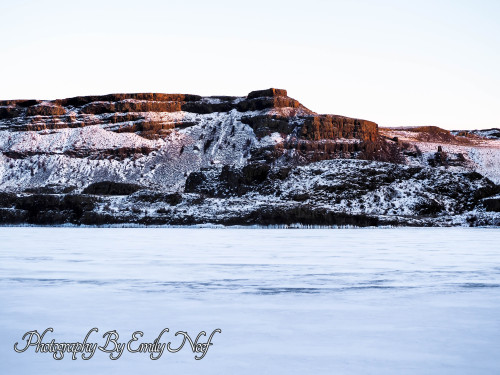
(135, 113)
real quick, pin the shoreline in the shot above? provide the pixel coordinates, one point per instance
(220, 226)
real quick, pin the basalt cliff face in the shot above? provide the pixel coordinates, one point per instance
(261, 159)
(157, 116)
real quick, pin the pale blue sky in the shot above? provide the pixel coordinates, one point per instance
(393, 62)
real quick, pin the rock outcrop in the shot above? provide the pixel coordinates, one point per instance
(152, 158)
(132, 113)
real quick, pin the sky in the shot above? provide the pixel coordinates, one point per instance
(398, 63)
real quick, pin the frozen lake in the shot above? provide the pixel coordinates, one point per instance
(353, 301)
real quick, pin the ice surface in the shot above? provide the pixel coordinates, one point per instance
(362, 301)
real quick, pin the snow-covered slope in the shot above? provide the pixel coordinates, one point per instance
(474, 151)
(260, 159)
(91, 139)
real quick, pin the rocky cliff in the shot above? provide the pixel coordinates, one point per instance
(264, 158)
(144, 114)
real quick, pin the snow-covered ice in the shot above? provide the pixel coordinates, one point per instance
(358, 301)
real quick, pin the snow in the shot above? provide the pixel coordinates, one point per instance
(482, 154)
(77, 157)
(341, 186)
(366, 301)
(493, 133)
(165, 168)
(272, 139)
(58, 141)
(71, 155)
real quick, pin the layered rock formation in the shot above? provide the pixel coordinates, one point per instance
(172, 134)
(136, 113)
(264, 158)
